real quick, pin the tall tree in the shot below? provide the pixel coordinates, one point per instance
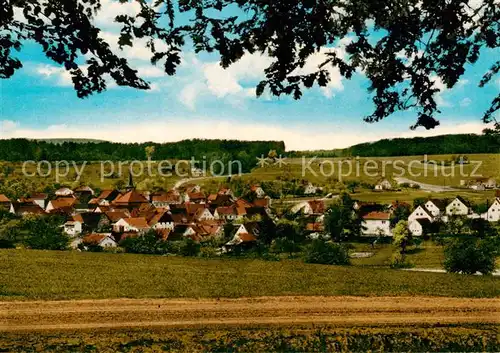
(402, 46)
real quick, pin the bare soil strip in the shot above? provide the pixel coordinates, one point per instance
(119, 313)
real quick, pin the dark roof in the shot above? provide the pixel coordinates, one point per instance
(464, 201)
(440, 203)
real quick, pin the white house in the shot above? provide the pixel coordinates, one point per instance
(163, 221)
(64, 192)
(383, 184)
(73, 228)
(258, 191)
(421, 212)
(483, 183)
(311, 189)
(131, 225)
(204, 214)
(419, 226)
(309, 207)
(458, 207)
(435, 207)
(105, 240)
(377, 223)
(493, 213)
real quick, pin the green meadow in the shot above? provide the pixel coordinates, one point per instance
(47, 275)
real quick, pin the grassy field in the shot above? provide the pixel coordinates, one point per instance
(488, 165)
(31, 274)
(377, 168)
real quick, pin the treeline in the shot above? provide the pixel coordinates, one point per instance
(444, 144)
(16, 150)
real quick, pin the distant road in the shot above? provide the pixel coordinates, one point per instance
(425, 187)
(282, 311)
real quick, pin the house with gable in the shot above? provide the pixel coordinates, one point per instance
(136, 225)
(421, 212)
(493, 213)
(422, 226)
(245, 235)
(311, 207)
(105, 240)
(64, 192)
(383, 184)
(310, 189)
(61, 205)
(74, 226)
(5, 203)
(436, 207)
(107, 197)
(376, 223)
(458, 207)
(482, 183)
(257, 189)
(40, 199)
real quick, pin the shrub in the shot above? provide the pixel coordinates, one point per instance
(209, 251)
(190, 248)
(327, 253)
(470, 255)
(400, 261)
(45, 235)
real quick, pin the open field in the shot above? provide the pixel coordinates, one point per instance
(262, 324)
(343, 169)
(120, 313)
(485, 165)
(47, 275)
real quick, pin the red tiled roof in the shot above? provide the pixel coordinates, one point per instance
(196, 195)
(4, 199)
(63, 202)
(226, 210)
(212, 197)
(139, 222)
(115, 216)
(94, 238)
(315, 227)
(261, 202)
(131, 197)
(378, 216)
(247, 238)
(317, 206)
(77, 218)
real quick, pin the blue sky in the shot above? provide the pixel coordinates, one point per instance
(204, 101)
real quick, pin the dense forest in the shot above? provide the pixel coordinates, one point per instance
(226, 150)
(445, 144)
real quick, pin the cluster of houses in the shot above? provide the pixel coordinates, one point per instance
(189, 212)
(186, 212)
(376, 218)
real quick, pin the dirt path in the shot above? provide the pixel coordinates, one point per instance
(85, 314)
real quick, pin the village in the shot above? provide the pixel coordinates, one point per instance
(187, 212)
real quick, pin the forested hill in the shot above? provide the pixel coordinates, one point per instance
(225, 150)
(444, 144)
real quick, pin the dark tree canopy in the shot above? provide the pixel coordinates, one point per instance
(402, 46)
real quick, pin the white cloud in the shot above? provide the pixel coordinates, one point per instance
(439, 84)
(296, 137)
(7, 125)
(59, 75)
(190, 93)
(111, 8)
(465, 102)
(222, 82)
